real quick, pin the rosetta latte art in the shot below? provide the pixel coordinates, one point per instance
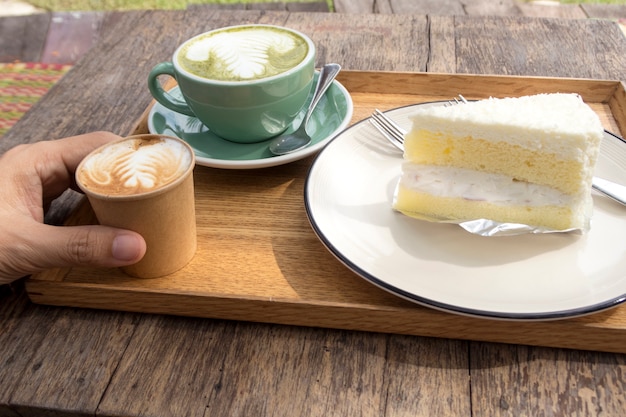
(243, 53)
(135, 166)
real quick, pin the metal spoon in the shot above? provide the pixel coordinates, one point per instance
(299, 139)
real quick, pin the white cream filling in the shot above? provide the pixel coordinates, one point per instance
(479, 186)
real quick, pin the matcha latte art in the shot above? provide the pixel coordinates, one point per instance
(242, 53)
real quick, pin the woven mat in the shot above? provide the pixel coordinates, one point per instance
(21, 85)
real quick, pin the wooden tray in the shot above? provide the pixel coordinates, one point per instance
(259, 260)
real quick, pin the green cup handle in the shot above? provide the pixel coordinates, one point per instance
(162, 96)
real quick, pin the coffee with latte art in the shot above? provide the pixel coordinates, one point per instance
(242, 53)
(134, 166)
(144, 183)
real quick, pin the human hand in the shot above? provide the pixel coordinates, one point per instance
(33, 175)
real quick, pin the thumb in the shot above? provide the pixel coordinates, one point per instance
(99, 246)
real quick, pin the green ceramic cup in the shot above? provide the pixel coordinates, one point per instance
(245, 83)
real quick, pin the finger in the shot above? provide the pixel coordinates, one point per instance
(49, 165)
(69, 151)
(73, 149)
(60, 158)
(98, 246)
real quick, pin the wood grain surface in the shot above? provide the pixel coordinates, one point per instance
(484, 8)
(78, 362)
(259, 260)
(22, 39)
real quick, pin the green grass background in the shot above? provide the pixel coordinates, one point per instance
(75, 5)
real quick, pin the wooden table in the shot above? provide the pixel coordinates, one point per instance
(77, 362)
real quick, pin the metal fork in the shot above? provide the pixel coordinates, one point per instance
(389, 129)
(393, 132)
(395, 135)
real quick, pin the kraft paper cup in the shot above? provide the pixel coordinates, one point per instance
(164, 216)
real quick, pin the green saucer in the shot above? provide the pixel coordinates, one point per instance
(331, 116)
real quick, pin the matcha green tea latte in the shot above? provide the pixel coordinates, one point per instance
(246, 83)
(243, 53)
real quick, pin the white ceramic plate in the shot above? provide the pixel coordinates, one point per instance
(331, 116)
(348, 196)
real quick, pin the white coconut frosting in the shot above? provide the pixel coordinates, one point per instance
(556, 123)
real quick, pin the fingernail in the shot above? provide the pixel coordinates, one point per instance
(126, 247)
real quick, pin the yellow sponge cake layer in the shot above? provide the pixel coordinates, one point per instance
(428, 207)
(526, 160)
(456, 194)
(523, 164)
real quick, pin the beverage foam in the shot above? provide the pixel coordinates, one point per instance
(243, 53)
(135, 166)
